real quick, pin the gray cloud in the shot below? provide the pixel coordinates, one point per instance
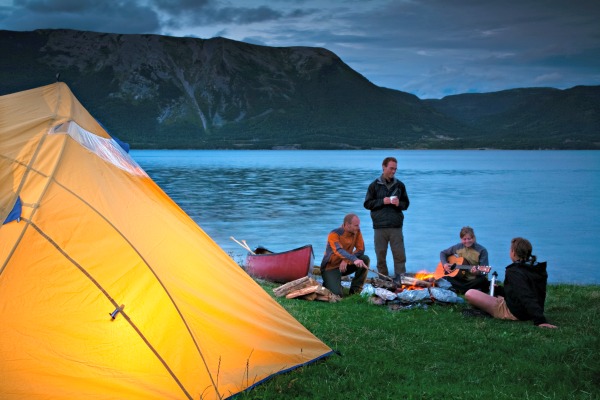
(114, 17)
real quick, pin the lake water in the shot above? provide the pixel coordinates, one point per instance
(286, 199)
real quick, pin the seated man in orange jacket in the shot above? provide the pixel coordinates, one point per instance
(344, 255)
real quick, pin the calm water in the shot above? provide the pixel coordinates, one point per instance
(286, 199)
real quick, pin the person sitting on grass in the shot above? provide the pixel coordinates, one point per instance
(344, 255)
(467, 252)
(524, 289)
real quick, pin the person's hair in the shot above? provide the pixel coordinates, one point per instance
(387, 160)
(467, 230)
(348, 218)
(522, 249)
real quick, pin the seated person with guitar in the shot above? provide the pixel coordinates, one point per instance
(465, 264)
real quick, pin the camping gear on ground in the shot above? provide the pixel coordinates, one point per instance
(108, 290)
(281, 267)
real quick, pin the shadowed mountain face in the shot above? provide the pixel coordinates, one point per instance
(165, 92)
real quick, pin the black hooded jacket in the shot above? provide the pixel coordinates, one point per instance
(525, 290)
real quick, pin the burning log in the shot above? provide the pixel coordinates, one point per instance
(411, 281)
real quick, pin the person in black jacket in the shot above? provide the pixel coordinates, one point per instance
(386, 198)
(524, 289)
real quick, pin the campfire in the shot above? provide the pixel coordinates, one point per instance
(408, 281)
(413, 288)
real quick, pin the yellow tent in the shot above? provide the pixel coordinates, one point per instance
(108, 290)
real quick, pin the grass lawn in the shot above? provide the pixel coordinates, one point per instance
(437, 353)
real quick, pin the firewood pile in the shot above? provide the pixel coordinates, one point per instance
(306, 288)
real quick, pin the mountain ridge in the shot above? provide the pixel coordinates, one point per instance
(165, 92)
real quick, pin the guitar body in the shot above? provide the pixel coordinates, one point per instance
(440, 272)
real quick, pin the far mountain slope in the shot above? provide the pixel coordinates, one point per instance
(529, 118)
(166, 92)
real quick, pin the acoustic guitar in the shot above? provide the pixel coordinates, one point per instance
(456, 267)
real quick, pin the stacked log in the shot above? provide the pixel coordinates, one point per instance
(306, 289)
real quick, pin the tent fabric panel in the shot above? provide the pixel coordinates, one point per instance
(120, 271)
(64, 318)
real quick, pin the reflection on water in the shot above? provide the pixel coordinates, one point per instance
(286, 199)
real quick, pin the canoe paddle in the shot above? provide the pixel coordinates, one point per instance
(244, 245)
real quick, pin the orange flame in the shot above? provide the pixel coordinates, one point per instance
(422, 275)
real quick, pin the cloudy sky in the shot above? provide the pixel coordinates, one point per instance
(431, 48)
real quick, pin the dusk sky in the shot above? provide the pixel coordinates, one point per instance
(430, 48)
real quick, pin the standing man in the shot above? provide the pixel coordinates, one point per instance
(387, 198)
(344, 255)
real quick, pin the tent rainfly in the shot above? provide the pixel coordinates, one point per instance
(108, 290)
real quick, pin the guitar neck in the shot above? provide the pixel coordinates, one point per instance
(479, 268)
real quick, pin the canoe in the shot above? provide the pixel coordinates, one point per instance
(280, 267)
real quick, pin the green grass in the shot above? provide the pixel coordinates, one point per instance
(437, 353)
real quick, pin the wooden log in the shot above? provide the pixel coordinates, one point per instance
(323, 291)
(389, 285)
(309, 297)
(410, 281)
(294, 285)
(302, 292)
(330, 298)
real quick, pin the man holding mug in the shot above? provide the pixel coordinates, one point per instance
(387, 199)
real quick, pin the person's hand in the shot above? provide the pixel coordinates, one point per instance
(360, 263)
(546, 325)
(343, 266)
(447, 268)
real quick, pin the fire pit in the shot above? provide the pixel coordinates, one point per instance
(414, 288)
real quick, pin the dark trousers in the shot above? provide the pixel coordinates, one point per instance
(332, 279)
(461, 286)
(395, 239)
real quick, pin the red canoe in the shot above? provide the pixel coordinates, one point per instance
(280, 267)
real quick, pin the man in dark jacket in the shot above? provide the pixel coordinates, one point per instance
(387, 198)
